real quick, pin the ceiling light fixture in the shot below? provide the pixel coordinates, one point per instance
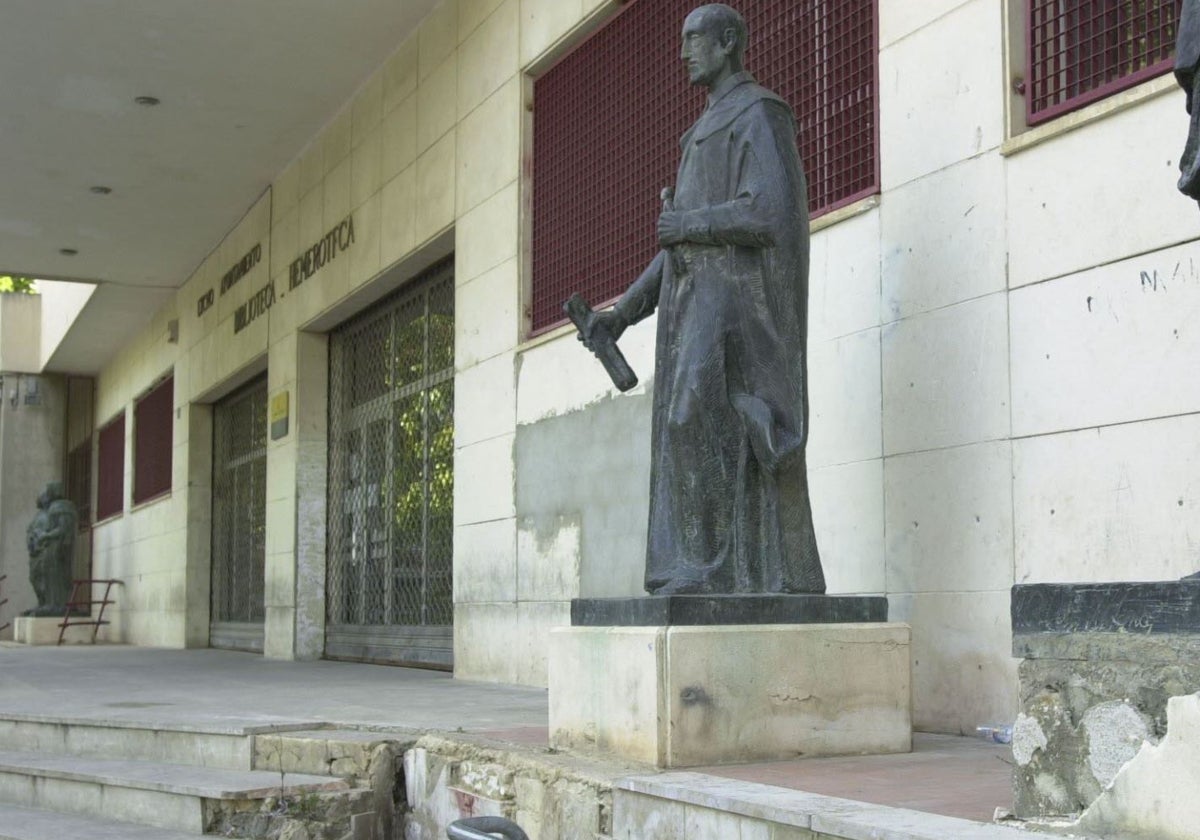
(148, 101)
(67, 252)
(99, 190)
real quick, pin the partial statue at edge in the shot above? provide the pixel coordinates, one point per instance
(50, 539)
(729, 502)
(1187, 72)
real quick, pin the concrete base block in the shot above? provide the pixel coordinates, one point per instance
(28, 630)
(691, 696)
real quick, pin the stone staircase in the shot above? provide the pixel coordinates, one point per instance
(65, 778)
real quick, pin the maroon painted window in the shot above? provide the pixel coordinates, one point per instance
(609, 115)
(1079, 51)
(110, 469)
(152, 444)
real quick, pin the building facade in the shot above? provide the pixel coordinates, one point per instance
(357, 430)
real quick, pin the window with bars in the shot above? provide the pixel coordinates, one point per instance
(608, 118)
(110, 469)
(1080, 51)
(152, 441)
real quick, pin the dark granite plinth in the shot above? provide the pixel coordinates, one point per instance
(1165, 607)
(661, 610)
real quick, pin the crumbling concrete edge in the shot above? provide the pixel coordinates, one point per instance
(1153, 796)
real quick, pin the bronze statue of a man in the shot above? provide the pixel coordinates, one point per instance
(729, 504)
(50, 539)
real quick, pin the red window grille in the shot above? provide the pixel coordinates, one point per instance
(609, 115)
(1080, 51)
(152, 441)
(110, 469)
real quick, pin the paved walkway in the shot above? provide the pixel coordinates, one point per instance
(958, 777)
(148, 684)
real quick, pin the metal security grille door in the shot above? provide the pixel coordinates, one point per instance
(239, 505)
(391, 479)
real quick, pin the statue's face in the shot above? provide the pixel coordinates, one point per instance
(703, 51)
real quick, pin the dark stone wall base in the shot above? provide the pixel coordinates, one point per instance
(665, 610)
(1101, 660)
(1156, 607)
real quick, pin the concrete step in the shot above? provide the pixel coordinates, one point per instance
(174, 796)
(34, 824)
(226, 743)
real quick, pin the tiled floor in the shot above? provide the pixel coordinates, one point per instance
(944, 774)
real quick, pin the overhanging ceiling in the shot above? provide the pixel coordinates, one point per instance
(242, 84)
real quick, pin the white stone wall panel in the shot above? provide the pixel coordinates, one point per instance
(1112, 195)
(485, 562)
(945, 377)
(900, 18)
(488, 56)
(945, 238)
(1111, 345)
(949, 519)
(940, 99)
(847, 503)
(844, 278)
(844, 399)
(1115, 503)
(486, 315)
(485, 399)
(963, 671)
(483, 481)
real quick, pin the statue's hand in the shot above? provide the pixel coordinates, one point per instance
(610, 320)
(670, 228)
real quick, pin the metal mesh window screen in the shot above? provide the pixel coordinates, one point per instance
(152, 441)
(608, 118)
(239, 505)
(1079, 51)
(110, 469)
(391, 460)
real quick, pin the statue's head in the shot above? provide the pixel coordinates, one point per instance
(714, 42)
(53, 491)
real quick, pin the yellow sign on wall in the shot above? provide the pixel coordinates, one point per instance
(279, 415)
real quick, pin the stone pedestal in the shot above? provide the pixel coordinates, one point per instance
(1100, 663)
(686, 696)
(29, 630)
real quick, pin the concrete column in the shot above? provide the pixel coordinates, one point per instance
(198, 569)
(296, 467)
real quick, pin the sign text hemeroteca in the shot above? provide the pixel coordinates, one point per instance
(324, 251)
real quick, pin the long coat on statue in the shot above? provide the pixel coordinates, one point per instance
(729, 506)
